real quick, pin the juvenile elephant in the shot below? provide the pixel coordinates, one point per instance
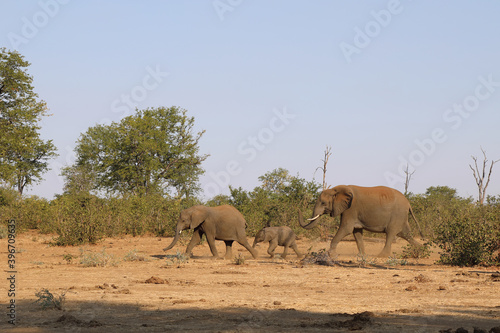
(376, 209)
(218, 223)
(282, 236)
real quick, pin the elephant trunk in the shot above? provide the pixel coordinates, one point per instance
(309, 225)
(176, 238)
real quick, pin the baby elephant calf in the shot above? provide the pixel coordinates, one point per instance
(282, 236)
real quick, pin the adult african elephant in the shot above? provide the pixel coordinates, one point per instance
(218, 223)
(376, 209)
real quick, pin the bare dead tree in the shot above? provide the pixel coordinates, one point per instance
(482, 180)
(408, 178)
(328, 153)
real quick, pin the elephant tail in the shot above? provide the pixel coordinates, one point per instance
(418, 225)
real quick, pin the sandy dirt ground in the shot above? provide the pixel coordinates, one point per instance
(159, 293)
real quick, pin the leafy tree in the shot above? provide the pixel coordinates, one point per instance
(78, 179)
(443, 193)
(23, 154)
(280, 183)
(275, 181)
(275, 202)
(152, 152)
(436, 206)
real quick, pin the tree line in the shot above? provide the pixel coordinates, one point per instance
(135, 175)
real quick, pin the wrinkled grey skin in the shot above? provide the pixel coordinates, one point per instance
(282, 236)
(376, 209)
(218, 223)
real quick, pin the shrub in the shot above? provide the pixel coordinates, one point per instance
(416, 252)
(133, 256)
(48, 300)
(3, 231)
(435, 206)
(79, 219)
(29, 213)
(239, 259)
(177, 259)
(68, 257)
(319, 258)
(102, 259)
(393, 261)
(8, 196)
(469, 237)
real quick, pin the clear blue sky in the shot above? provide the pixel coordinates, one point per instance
(384, 83)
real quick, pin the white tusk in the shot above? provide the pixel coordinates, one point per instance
(314, 218)
(180, 232)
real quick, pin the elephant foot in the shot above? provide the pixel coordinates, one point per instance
(216, 257)
(384, 254)
(332, 254)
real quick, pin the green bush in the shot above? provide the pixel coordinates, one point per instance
(470, 236)
(29, 213)
(274, 203)
(8, 196)
(3, 231)
(79, 219)
(435, 206)
(416, 252)
(83, 218)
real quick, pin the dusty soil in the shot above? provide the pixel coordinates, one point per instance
(156, 293)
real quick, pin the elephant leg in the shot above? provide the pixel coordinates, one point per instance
(341, 233)
(229, 249)
(296, 249)
(406, 234)
(390, 237)
(195, 240)
(285, 251)
(246, 245)
(358, 236)
(213, 248)
(272, 246)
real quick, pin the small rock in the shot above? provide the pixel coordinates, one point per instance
(461, 330)
(479, 330)
(411, 288)
(156, 280)
(277, 303)
(421, 278)
(495, 329)
(442, 288)
(66, 318)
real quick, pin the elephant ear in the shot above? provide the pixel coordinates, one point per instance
(341, 200)
(198, 216)
(262, 235)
